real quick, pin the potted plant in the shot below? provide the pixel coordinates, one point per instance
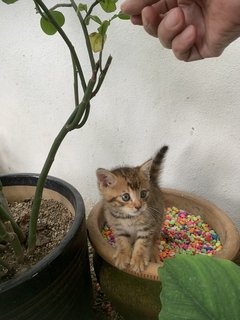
(136, 295)
(57, 287)
(199, 287)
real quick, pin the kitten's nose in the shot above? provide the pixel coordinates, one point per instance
(137, 205)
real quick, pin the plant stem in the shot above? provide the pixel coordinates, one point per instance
(7, 234)
(4, 235)
(86, 35)
(66, 39)
(61, 5)
(40, 185)
(75, 83)
(99, 84)
(5, 216)
(102, 76)
(84, 120)
(15, 243)
(91, 9)
(75, 120)
(90, 54)
(71, 123)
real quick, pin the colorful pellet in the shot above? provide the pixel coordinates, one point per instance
(182, 232)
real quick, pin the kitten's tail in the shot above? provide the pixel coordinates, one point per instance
(156, 164)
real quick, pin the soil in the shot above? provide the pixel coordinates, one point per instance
(53, 223)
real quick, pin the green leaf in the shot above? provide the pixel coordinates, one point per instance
(48, 27)
(103, 28)
(96, 41)
(9, 1)
(108, 5)
(82, 7)
(199, 288)
(96, 19)
(123, 16)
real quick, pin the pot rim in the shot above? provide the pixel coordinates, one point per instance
(67, 191)
(106, 251)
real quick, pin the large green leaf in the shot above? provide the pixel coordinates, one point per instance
(9, 1)
(108, 5)
(48, 27)
(199, 288)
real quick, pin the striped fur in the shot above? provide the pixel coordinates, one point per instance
(156, 164)
(134, 209)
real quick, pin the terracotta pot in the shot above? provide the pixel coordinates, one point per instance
(58, 286)
(136, 296)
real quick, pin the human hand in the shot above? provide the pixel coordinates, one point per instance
(192, 29)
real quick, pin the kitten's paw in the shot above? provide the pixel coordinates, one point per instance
(155, 255)
(122, 260)
(139, 263)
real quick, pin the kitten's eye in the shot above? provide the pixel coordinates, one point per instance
(143, 194)
(126, 197)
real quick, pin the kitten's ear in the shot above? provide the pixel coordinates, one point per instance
(106, 178)
(146, 167)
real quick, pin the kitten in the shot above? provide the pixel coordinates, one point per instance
(133, 208)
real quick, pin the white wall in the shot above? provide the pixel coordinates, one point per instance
(149, 99)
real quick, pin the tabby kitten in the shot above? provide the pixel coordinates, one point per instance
(133, 208)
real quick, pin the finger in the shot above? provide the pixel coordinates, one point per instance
(134, 7)
(151, 20)
(164, 6)
(172, 24)
(137, 20)
(183, 45)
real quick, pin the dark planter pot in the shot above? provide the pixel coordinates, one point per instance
(59, 286)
